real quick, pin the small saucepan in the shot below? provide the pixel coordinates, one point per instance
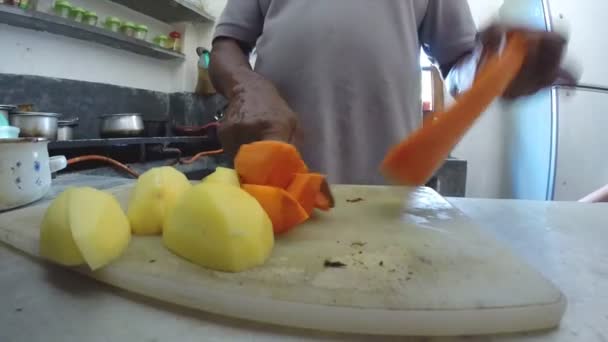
(121, 125)
(65, 130)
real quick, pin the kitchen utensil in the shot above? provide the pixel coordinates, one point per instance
(65, 129)
(25, 171)
(155, 128)
(35, 124)
(5, 110)
(414, 161)
(9, 132)
(419, 268)
(121, 125)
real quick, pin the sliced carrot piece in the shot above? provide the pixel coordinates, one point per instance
(284, 211)
(414, 161)
(272, 163)
(304, 188)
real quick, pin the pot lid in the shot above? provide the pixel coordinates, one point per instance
(36, 114)
(121, 114)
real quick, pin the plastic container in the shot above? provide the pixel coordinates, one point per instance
(9, 132)
(161, 40)
(176, 41)
(113, 24)
(90, 18)
(24, 4)
(62, 8)
(128, 29)
(77, 14)
(141, 32)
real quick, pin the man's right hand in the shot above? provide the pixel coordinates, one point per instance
(255, 112)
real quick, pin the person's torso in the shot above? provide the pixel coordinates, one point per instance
(351, 70)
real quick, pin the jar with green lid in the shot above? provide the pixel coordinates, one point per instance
(141, 32)
(62, 8)
(128, 28)
(77, 14)
(113, 24)
(90, 18)
(161, 41)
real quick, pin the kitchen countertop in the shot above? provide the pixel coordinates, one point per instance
(573, 253)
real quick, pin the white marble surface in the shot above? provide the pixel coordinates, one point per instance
(567, 242)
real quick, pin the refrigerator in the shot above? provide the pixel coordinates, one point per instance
(557, 139)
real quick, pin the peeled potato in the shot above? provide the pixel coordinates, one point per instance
(84, 225)
(154, 196)
(56, 241)
(220, 227)
(223, 175)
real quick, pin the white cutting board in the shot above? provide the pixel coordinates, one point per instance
(417, 269)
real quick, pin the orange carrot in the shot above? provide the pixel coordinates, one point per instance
(414, 161)
(304, 188)
(271, 163)
(284, 211)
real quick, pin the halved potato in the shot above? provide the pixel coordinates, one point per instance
(84, 225)
(220, 227)
(223, 175)
(153, 197)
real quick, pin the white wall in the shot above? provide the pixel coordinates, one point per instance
(483, 147)
(43, 54)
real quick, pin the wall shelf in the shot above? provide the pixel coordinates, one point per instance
(40, 21)
(169, 11)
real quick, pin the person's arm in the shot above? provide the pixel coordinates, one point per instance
(600, 195)
(448, 35)
(256, 110)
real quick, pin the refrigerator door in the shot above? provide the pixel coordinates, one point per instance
(584, 22)
(581, 164)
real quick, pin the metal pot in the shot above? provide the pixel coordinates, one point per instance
(65, 130)
(121, 125)
(35, 125)
(155, 128)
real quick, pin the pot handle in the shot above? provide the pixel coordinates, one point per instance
(57, 163)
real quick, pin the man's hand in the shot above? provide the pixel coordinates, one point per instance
(256, 112)
(542, 67)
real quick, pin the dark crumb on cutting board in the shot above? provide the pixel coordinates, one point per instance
(334, 264)
(360, 252)
(18, 309)
(410, 273)
(152, 261)
(425, 260)
(358, 244)
(355, 200)
(381, 263)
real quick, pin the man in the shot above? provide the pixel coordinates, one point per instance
(341, 78)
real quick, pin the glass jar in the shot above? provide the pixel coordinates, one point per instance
(90, 18)
(176, 41)
(141, 32)
(77, 14)
(113, 24)
(128, 29)
(161, 40)
(62, 8)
